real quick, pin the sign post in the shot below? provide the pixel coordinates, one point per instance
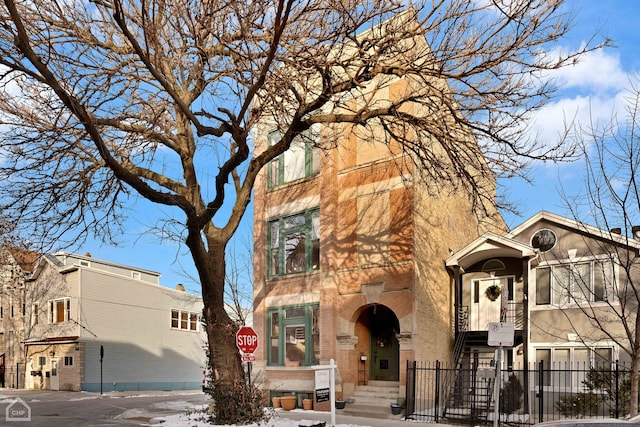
(247, 343)
(101, 357)
(500, 334)
(326, 386)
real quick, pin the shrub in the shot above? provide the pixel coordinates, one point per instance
(511, 395)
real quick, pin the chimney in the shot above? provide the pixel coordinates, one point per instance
(88, 254)
(180, 287)
(616, 230)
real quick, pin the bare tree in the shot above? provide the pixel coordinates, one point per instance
(103, 101)
(610, 200)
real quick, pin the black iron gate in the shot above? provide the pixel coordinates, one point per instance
(440, 393)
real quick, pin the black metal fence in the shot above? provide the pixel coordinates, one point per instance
(468, 394)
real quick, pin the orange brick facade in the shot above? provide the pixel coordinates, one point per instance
(383, 291)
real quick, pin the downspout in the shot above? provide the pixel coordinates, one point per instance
(526, 265)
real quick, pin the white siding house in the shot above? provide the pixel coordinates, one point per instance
(93, 325)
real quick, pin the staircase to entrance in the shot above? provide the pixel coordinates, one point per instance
(374, 400)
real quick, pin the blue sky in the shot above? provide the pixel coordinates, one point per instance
(595, 88)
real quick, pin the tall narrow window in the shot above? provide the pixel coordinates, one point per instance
(543, 286)
(301, 160)
(294, 243)
(193, 321)
(60, 310)
(34, 313)
(175, 318)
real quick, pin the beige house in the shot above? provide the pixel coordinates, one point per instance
(563, 284)
(98, 326)
(350, 244)
(16, 265)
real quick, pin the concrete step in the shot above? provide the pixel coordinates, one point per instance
(374, 400)
(370, 411)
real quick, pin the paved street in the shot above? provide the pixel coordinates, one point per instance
(83, 409)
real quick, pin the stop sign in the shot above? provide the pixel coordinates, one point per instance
(247, 340)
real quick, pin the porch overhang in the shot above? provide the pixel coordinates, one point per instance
(51, 340)
(487, 246)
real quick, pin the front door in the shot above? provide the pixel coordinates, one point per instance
(385, 354)
(483, 310)
(55, 379)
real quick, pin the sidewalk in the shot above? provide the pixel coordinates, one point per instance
(310, 416)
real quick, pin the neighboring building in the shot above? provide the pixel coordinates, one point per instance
(94, 325)
(16, 264)
(350, 247)
(552, 272)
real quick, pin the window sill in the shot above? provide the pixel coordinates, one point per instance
(598, 304)
(298, 181)
(292, 275)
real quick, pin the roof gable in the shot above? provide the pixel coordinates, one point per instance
(489, 245)
(575, 226)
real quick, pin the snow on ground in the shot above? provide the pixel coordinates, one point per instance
(196, 419)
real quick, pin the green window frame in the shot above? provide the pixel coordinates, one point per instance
(294, 243)
(301, 160)
(293, 335)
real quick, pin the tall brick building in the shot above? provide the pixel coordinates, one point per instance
(350, 247)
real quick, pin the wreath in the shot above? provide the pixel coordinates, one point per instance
(493, 292)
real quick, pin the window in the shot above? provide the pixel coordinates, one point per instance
(293, 335)
(136, 275)
(567, 367)
(301, 160)
(34, 313)
(59, 310)
(42, 360)
(544, 240)
(575, 283)
(68, 361)
(184, 320)
(294, 243)
(85, 263)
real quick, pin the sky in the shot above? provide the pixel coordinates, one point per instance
(594, 87)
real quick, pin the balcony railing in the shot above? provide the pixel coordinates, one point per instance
(514, 314)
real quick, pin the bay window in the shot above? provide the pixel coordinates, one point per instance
(294, 243)
(575, 283)
(59, 310)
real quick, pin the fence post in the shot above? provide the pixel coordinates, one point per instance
(540, 391)
(617, 391)
(474, 373)
(410, 388)
(437, 393)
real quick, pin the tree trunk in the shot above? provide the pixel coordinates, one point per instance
(234, 399)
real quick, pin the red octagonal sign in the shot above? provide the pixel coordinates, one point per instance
(247, 340)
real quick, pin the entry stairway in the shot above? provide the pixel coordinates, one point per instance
(374, 401)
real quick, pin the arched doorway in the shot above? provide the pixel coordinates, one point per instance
(384, 348)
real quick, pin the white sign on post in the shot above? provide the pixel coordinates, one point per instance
(501, 334)
(323, 384)
(321, 381)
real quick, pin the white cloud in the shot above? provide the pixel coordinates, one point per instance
(591, 92)
(596, 71)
